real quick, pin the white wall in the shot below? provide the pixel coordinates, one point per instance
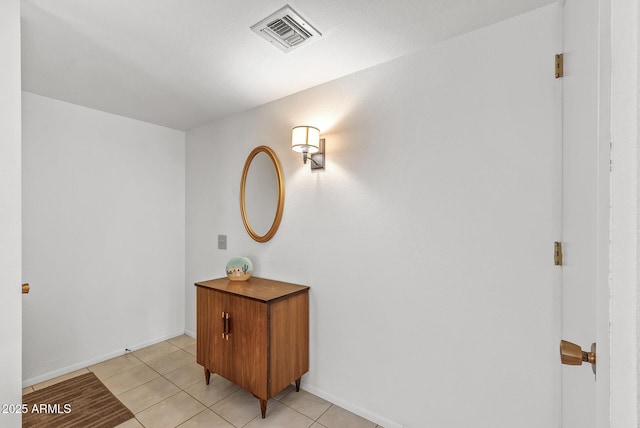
(10, 208)
(403, 327)
(103, 237)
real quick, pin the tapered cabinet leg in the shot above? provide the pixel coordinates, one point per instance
(263, 408)
(298, 384)
(207, 375)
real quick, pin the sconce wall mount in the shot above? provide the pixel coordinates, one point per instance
(306, 140)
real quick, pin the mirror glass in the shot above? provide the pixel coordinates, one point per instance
(262, 194)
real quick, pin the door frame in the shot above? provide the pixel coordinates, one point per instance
(586, 201)
(619, 67)
(617, 225)
(616, 307)
(603, 233)
(10, 212)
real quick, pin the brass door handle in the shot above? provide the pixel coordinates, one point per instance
(225, 325)
(572, 355)
(25, 288)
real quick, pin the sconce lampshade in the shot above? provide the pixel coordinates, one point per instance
(305, 139)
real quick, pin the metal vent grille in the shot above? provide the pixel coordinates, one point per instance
(286, 30)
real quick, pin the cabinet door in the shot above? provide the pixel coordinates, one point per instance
(247, 344)
(211, 345)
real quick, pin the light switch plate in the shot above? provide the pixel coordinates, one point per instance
(222, 242)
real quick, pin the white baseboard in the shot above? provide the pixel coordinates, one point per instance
(190, 333)
(386, 423)
(73, 367)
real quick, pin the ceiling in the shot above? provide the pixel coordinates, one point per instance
(183, 63)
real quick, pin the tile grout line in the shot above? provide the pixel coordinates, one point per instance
(297, 411)
(162, 376)
(325, 412)
(184, 389)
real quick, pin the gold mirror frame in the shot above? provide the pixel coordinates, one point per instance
(280, 208)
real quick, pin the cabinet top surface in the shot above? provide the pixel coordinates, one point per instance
(254, 288)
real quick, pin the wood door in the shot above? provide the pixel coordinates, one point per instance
(212, 348)
(247, 344)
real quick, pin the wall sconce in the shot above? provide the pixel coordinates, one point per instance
(306, 140)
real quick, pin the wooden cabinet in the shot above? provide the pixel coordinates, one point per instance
(254, 333)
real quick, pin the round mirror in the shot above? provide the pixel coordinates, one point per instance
(262, 194)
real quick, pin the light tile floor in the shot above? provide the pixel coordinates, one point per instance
(164, 387)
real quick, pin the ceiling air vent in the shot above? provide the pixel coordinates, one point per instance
(286, 30)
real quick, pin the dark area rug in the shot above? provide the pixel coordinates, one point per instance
(80, 402)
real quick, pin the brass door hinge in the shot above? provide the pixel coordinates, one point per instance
(559, 69)
(557, 253)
